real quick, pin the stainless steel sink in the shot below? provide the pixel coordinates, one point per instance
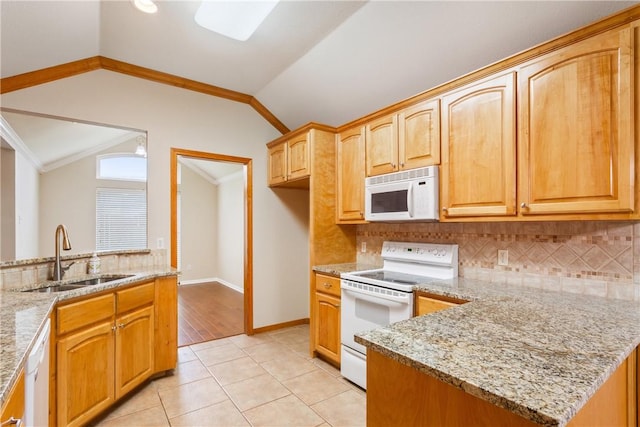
(99, 280)
(77, 284)
(55, 288)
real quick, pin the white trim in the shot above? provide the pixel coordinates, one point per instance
(82, 154)
(212, 279)
(14, 140)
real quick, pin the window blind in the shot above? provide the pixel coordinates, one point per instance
(121, 219)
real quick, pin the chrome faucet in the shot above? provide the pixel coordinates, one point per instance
(58, 270)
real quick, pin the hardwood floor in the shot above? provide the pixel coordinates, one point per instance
(208, 311)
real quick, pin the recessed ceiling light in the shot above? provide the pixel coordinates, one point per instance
(235, 19)
(146, 6)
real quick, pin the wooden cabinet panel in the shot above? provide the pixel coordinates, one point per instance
(327, 332)
(13, 407)
(166, 323)
(82, 313)
(478, 175)
(350, 175)
(419, 135)
(576, 128)
(277, 164)
(134, 349)
(298, 157)
(382, 145)
(85, 372)
(426, 303)
(137, 296)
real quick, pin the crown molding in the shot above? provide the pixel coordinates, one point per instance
(46, 75)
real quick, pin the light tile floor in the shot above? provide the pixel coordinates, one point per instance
(267, 379)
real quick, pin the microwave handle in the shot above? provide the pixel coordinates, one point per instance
(410, 200)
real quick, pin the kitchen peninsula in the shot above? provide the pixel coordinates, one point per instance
(512, 355)
(125, 328)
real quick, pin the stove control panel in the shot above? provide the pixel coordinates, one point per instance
(424, 253)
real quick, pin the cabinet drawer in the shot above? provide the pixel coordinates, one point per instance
(136, 296)
(83, 313)
(328, 284)
(427, 303)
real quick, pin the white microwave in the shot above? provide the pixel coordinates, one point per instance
(403, 196)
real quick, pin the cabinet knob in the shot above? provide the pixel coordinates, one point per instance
(113, 328)
(444, 209)
(402, 164)
(523, 205)
(121, 325)
(327, 285)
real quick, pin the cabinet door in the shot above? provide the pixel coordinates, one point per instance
(327, 326)
(426, 305)
(382, 145)
(576, 128)
(134, 349)
(419, 135)
(277, 164)
(13, 406)
(298, 157)
(350, 176)
(85, 369)
(478, 176)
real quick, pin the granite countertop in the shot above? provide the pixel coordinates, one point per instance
(23, 315)
(537, 353)
(337, 269)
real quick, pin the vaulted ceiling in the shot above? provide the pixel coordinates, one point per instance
(324, 61)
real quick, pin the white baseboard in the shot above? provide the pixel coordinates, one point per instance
(212, 279)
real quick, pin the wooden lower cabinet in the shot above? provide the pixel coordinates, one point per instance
(398, 395)
(134, 349)
(326, 322)
(86, 368)
(13, 408)
(103, 357)
(426, 303)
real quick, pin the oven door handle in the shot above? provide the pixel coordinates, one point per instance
(375, 298)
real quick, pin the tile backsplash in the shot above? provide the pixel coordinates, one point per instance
(17, 274)
(591, 257)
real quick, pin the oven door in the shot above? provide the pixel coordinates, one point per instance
(365, 307)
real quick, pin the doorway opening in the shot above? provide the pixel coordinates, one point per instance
(212, 244)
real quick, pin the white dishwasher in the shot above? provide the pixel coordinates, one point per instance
(36, 400)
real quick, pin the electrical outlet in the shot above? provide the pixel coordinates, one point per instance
(363, 247)
(503, 257)
(160, 243)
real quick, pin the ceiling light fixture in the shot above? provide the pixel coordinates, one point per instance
(146, 6)
(140, 149)
(235, 19)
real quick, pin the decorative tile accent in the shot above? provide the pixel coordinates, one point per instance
(594, 254)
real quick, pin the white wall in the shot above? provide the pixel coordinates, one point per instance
(27, 208)
(68, 196)
(230, 238)
(176, 117)
(198, 211)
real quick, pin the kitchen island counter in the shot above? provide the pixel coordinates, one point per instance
(539, 354)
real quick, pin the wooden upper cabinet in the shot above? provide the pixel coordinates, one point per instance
(350, 157)
(298, 157)
(289, 161)
(406, 140)
(419, 135)
(576, 128)
(382, 145)
(478, 174)
(277, 164)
